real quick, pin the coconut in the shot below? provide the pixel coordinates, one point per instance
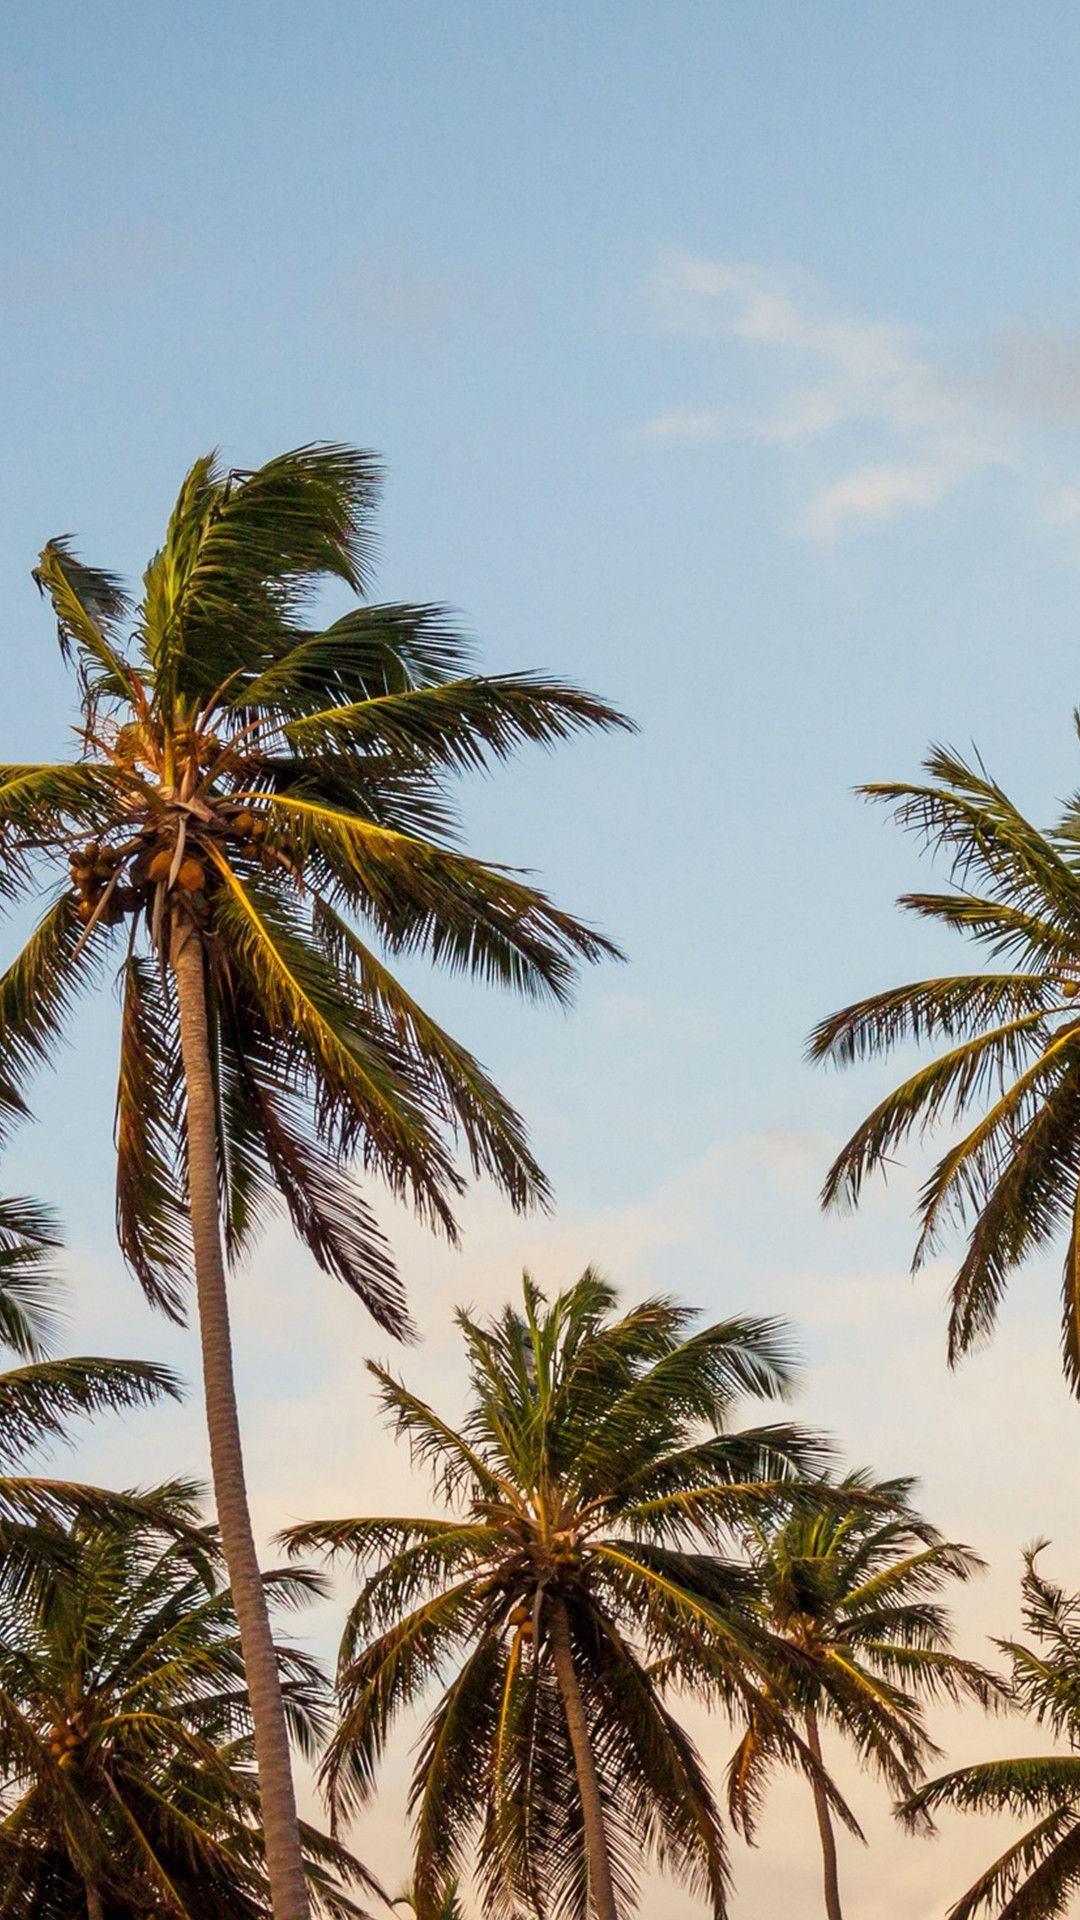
(243, 823)
(84, 910)
(160, 866)
(192, 875)
(520, 1615)
(1070, 988)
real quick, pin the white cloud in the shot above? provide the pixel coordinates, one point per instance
(879, 423)
(878, 492)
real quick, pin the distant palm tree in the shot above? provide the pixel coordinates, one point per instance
(40, 1397)
(445, 1906)
(850, 1582)
(1012, 1047)
(126, 1788)
(249, 790)
(594, 1473)
(1036, 1877)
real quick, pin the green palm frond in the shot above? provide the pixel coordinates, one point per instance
(38, 992)
(29, 1240)
(91, 607)
(456, 724)
(37, 1401)
(1013, 1178)
(151, 1220)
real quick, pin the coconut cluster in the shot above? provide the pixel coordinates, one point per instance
(103, 894)
(94, 871)
(65, 1739)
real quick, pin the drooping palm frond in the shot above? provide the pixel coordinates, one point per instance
(38, 1400)
(29, 1240)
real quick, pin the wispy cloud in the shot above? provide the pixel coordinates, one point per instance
(883, 425)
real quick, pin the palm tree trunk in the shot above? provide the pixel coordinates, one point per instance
(94, 1908)
(288, 1883)
(825, 1826)
(601, 1900)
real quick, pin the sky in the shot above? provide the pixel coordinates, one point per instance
(726, 358)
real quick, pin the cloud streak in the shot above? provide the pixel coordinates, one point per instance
(880, 425)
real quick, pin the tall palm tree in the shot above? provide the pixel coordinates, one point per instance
(850, 1581)
(1036, 1877)
(1011, 1047)
(40, 1397)
(248, 795)
(125, 1781)
(596, 1461)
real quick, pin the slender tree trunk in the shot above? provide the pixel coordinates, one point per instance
(94, 1908)
(288, 1884)
(598, 1859)
(825, 1827)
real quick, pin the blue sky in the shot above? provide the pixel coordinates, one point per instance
(726, 358)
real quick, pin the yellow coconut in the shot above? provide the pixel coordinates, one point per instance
(192, 874)
(161, 864)
(1070, 988)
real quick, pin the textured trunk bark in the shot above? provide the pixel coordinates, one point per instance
(288, 1883)
(598, 1859)
(825, 1827)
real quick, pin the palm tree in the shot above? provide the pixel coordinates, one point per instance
(1035, 1876)
(565, 1592)
(1012, 1047)
(39, 1398)
(249, 794)
(446, 1905)
(125, 1781)
(850, 1581)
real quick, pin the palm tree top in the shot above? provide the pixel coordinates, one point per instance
(286, 790)
(596, 1477)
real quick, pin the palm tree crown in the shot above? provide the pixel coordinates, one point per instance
(277, 785)
(596, 1460)
(125, 1779)
(1038, 1875)
(1012, 1048)
(850, 1581)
